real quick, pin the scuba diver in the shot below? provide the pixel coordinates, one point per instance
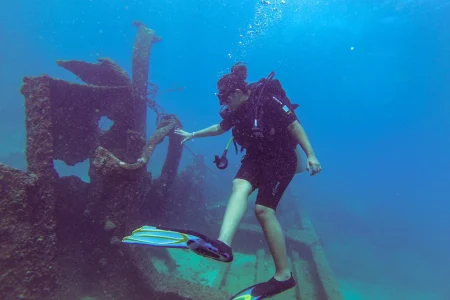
(264, 124)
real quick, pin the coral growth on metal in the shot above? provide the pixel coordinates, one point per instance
(60, 235)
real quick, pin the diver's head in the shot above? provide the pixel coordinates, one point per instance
(232, 87)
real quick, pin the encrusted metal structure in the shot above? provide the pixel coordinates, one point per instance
(50, 225)
(60, 236)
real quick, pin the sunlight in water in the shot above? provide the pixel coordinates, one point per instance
(266, 15)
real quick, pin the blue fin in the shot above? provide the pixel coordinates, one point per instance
(246, 294)
(179, 238)
(158, 237)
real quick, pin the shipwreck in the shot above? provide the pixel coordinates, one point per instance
(61, 236)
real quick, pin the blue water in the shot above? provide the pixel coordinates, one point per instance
(372, 79)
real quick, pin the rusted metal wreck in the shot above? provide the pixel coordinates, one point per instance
(61, 237)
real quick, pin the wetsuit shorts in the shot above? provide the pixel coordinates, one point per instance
(270, 174)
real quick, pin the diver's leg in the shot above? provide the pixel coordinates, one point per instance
(278, 174)
(236, 208)
(283, 279)
(277, 179)
(275, 239)
(220, 249)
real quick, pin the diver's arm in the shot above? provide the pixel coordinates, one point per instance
(209, 131)
(300, 136)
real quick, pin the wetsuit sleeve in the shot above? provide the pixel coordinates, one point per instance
(226, 124)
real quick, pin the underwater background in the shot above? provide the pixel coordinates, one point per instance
(372, 80)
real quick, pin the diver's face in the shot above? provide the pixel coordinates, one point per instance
(236, 98)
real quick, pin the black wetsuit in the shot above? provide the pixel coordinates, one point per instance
(270, 162)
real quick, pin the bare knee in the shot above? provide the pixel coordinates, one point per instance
(264, 213)
(241, 186)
